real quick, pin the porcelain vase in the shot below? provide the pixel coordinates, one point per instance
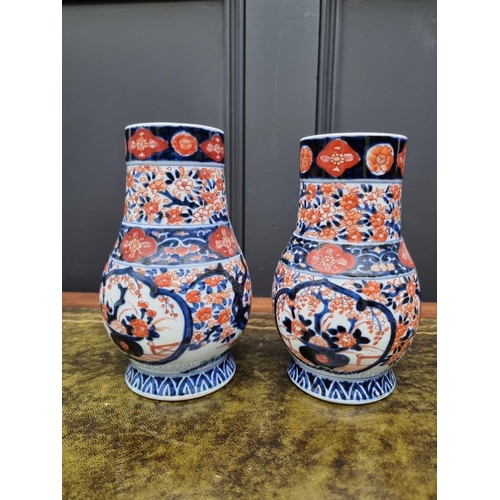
(175, 293)
(346, 295)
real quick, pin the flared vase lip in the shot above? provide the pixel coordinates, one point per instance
(353, 134)
(173, 124)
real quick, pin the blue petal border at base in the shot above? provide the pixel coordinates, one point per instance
(333, 390)
(182, 386)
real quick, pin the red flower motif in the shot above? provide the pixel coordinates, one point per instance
(143, 144)
(204, 314)
(193, 296)
(346, 340)
(349, 201)
(205, 173)
(136, 245)
(377, 219)
(151, 208)
(380, 233)
(139, 328)
(330, 259)
(224, 316)
(213, 280)
(214, 148)
(164, 280)
(337, 157)
(404, 255)
(306, 158)
(184, 144)
(402, 159)
(223, 241)
(380, 158)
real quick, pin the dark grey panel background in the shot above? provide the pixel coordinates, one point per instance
(124, 64)
(281, 66)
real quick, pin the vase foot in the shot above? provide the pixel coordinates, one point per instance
(181, 386)
(341, 390)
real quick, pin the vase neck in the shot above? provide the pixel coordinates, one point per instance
(167, 194)
(350, 211)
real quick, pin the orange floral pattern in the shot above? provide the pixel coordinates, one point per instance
(170, 142)
(136, 245)
(330, 259)
(144, 144)
(353, 212)
(214, 148)
(193, 296)
(139, 328)
(306, 158)
(204, 314)
(222, 240)
(337, 157)
(380, 158)
(184, 144)
(175, 195)
(404, 255)
(402, 160)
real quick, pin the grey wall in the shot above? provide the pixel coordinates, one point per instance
(124, 64)
(281, 65)
(164, 61)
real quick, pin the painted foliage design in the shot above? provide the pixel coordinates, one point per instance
(346, 326)
(175, 195)
(350, 212)
(155, 315)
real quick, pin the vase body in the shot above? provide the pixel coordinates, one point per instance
(346, 295)
(175, 293)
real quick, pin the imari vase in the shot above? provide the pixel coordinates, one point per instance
(346, 294)
(175, 293)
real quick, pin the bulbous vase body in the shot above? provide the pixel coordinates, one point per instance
(175, 293)
(346, 294)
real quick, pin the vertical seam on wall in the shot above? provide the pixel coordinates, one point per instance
(328, 65)
(234, 113)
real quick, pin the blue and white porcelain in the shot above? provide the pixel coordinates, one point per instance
(175, 293)
(346, 294)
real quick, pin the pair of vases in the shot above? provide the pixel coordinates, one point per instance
(175, 293)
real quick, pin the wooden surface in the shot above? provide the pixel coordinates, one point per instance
(259, 304)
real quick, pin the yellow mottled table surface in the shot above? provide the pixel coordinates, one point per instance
(259, 437)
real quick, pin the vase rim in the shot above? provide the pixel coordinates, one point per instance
(353, 134)
(172, 124)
